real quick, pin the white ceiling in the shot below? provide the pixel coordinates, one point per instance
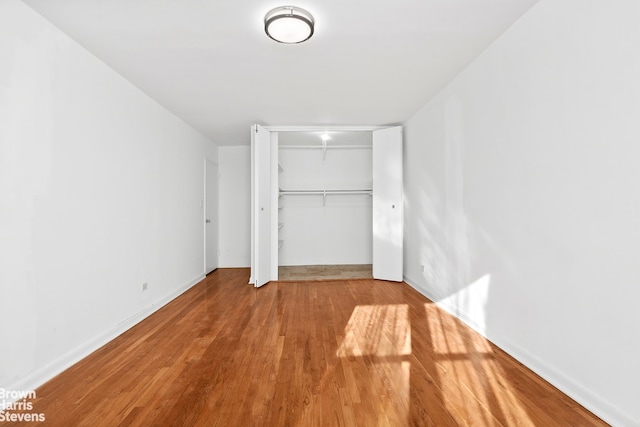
(209, 61)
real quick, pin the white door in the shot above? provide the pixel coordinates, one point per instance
(211, 216)
(387, 204)
(261, 205)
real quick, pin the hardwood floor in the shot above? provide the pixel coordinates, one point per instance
(324, 272)
(349, 353)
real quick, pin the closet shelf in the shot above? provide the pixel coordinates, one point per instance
(324, 193)
(324, 147)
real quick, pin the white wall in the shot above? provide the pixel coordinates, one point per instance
(100, 192)
(235, 206)
(523, 204)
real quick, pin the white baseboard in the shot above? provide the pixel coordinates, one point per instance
(587, 398)
(57, 366)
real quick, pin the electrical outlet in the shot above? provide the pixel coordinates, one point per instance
(422, 267)
(144, 286)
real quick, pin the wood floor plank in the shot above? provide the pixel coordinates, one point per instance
(337, 352)
(325, 272)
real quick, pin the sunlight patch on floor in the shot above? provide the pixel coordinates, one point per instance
(382, 334)
(377, 330)
(465, 365)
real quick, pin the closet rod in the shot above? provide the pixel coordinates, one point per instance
(330, 147)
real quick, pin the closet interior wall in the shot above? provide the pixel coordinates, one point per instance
(324, 205)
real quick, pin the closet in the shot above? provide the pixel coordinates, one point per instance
(330, 196)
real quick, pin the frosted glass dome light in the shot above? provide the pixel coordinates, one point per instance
(289, 24)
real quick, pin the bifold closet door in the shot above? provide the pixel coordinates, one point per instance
(260, 205)
(387, 204)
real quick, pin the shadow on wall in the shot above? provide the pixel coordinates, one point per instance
(458, 262)
(454, 272)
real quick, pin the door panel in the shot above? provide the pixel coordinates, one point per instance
(261, 184)
(211, 216)
(387, 204)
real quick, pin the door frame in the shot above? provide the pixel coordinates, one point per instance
(297, 128)
(323, 128)
(274, 130)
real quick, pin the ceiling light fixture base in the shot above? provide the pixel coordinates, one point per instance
(289, 24)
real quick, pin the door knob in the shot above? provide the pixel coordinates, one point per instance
(208, 221)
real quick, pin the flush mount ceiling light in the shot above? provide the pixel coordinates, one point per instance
(288, 24)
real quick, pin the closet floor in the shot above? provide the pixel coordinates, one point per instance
(324, 272)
